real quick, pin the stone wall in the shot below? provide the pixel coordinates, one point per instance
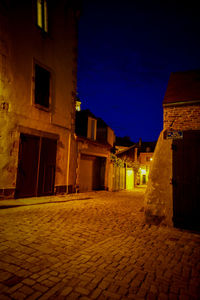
(182, 117)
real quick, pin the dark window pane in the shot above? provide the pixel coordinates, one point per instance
(42, 86)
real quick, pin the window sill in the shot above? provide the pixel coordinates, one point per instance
(44, 34)
(40, 107)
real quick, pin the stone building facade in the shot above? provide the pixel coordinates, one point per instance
(185, 117)
(173, 190)
(38, 62)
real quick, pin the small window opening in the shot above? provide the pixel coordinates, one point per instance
(92, 128)
(42, 86)
(42, 14)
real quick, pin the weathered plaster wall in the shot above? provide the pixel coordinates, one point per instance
(11, 126)
(21, 45)
(9, 144)
(72, 164)
(158, 196)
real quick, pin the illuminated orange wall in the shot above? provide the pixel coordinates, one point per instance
(22, 44)
(143, 158)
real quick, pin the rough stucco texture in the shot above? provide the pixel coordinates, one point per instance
(22, 44)
(158, 196)
(8, 152)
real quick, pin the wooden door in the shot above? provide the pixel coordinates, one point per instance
(26, 185)
(86, 173)
(92, 173)
(36, 166)
(47, 167)
(186, 181)
(144, 180)
(98, 182)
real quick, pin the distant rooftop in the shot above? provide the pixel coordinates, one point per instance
(124, 141)
(183, 87)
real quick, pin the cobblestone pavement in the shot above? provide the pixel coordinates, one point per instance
(95, 248)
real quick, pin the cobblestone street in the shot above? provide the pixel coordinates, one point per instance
(94, 246)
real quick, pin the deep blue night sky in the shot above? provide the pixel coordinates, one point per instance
(127, 50)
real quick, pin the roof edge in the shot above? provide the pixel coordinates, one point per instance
(180, 103)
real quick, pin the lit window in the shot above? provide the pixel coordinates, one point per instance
(42, 14)
(142, 171)
(42, 86)
(78, 105)
(92, 128)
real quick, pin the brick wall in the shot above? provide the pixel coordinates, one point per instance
(182, 117)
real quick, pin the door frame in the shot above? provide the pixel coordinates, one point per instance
(39, 134)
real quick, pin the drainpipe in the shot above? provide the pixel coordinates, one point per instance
(68, 160)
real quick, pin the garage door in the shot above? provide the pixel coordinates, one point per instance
(36, 166)
(92, 173)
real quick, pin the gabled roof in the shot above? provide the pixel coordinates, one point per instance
(123, 141)
(183, 87)
(125, 150)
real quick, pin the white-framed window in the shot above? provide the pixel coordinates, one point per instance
(92, 128)
(42, 15)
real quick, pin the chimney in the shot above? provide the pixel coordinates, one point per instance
(140, 142)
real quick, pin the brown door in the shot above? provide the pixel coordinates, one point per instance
(186, 181)
(27, 166)
(86, 173)
(92, 173)
(47, 167)
(36, 166)
(99, 173)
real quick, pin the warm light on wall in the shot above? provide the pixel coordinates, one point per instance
(129, 179)
(151, 159)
